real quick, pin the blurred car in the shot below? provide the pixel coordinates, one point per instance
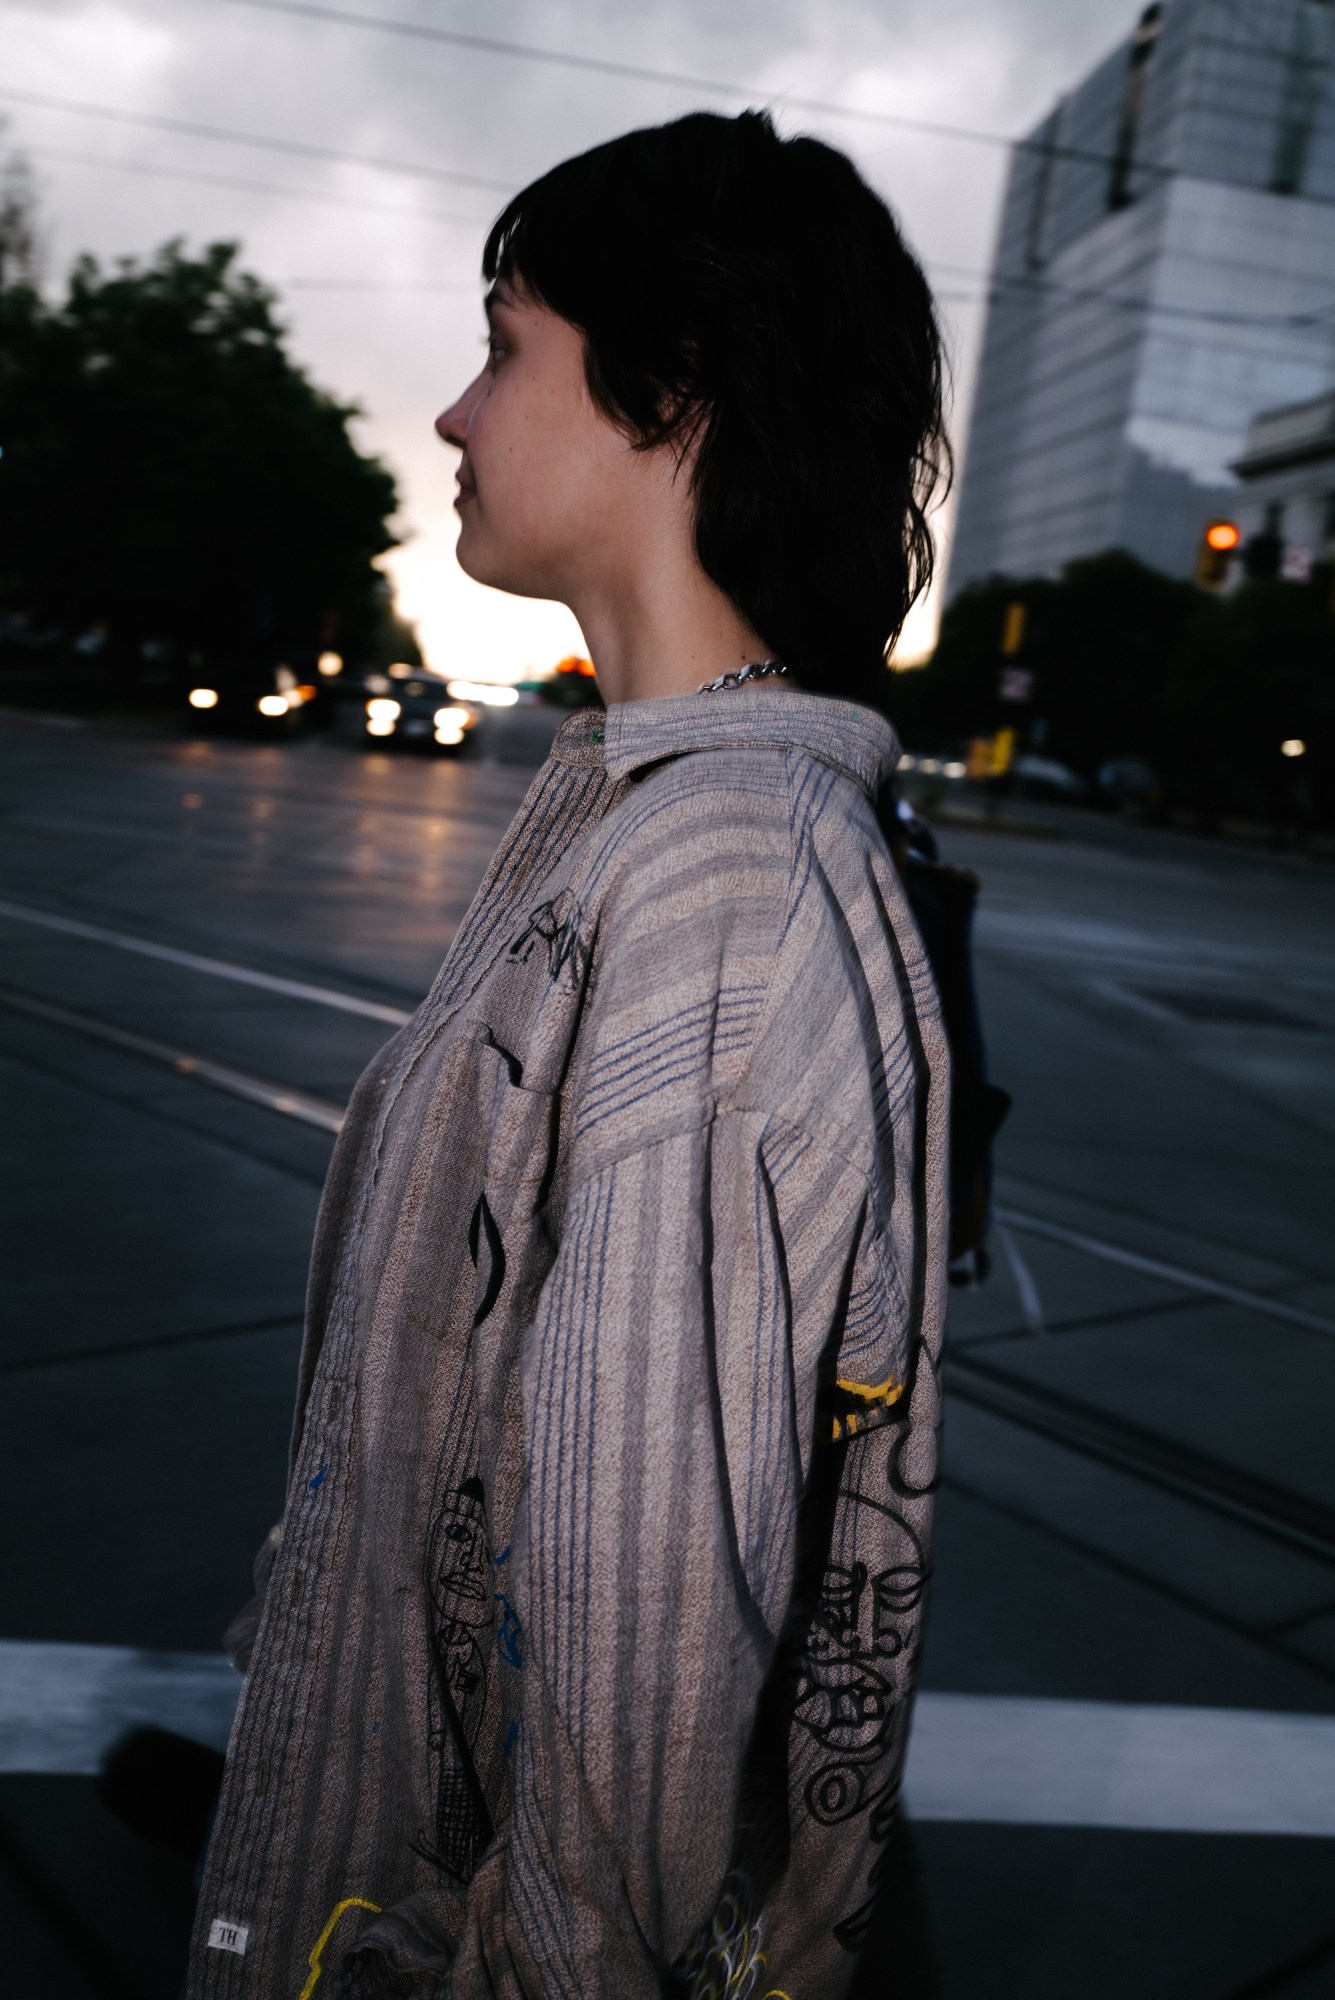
(1045, 778)
(1128, 781)
(265, 698)
(407, 706)
(572, 683)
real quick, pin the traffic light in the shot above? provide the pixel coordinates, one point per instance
(1012, 631)
(1218, 546)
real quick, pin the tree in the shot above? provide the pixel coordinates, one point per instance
(1129, 663)
(1254, 672)
(20, 231)
(171, 474)
(1098, 643)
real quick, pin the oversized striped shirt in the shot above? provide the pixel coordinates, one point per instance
(586, 1649)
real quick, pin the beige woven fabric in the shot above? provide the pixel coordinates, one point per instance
(585, 1658)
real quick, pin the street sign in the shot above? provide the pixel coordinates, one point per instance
(1017, 684)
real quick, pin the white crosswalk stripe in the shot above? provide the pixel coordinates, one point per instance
(1006, 1759)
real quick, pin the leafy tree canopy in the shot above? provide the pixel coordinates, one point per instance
(171, 473)
(1129, 663)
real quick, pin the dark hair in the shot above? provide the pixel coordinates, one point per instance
(755, 292)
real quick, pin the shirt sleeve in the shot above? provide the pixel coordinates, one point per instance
(670, 1386)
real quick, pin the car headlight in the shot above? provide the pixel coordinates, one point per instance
(272, 704)
(383, 709)
(203, 697)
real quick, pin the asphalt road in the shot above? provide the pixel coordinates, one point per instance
(202, 945)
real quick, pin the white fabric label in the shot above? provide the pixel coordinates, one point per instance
(225, 1936)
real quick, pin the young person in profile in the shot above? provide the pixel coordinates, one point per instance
(583, 1658)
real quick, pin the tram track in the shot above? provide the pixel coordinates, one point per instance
(1285, 1518)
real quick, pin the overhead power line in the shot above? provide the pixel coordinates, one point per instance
(380, 285)
(1012, 285)
(642, 73)
(149, 168)
(299, 148)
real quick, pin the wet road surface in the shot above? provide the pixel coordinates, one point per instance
(202, 945)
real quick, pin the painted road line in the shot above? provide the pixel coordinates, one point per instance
(1172, 1274)
(1006, 1759)
(1031, 1305)
(280, 1097)
(349, 1003)
(218, 968)
(63, 1706)
(1284, 1516)
(1107, 1764)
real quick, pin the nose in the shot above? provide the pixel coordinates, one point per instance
(452, 424)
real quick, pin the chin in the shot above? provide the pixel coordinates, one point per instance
(497, 571)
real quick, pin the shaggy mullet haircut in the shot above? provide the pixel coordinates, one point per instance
(753, 294)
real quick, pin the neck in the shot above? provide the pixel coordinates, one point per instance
(662, 628)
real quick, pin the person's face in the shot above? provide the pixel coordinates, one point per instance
(544, 476)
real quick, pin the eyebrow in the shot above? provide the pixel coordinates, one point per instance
(497, 298)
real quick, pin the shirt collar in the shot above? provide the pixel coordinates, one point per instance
(843, 734)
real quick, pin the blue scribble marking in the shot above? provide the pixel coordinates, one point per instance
(511, 1737)
(503, 1557)
(319, 1479)
(510, 1632)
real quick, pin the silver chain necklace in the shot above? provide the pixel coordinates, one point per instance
(755, 670)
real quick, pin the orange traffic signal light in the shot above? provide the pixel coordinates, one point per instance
(1219, 544)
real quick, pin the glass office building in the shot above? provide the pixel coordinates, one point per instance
(1165, 271)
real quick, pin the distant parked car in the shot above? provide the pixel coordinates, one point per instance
(1128, 781)
(1045, 778)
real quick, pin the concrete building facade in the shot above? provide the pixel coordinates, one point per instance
(1165, 271)
(1287, 492)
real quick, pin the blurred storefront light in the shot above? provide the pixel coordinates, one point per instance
(483, 691)
(203, 697)
(272, 704)
(330, 665)
(1293, 746)
(400, 672)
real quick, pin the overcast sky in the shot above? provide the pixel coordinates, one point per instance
(378, 270)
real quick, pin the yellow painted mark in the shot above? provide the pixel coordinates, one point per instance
(849, 1423)
(888, 1391)
(348, 1903)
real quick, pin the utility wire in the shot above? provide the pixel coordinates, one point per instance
(642, 73)
(147, 167)
(1020, 284)
(1036, 142)
(225, 136)
(380, 285)
(1012, 286)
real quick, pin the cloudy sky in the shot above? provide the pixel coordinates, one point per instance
(378, 268)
